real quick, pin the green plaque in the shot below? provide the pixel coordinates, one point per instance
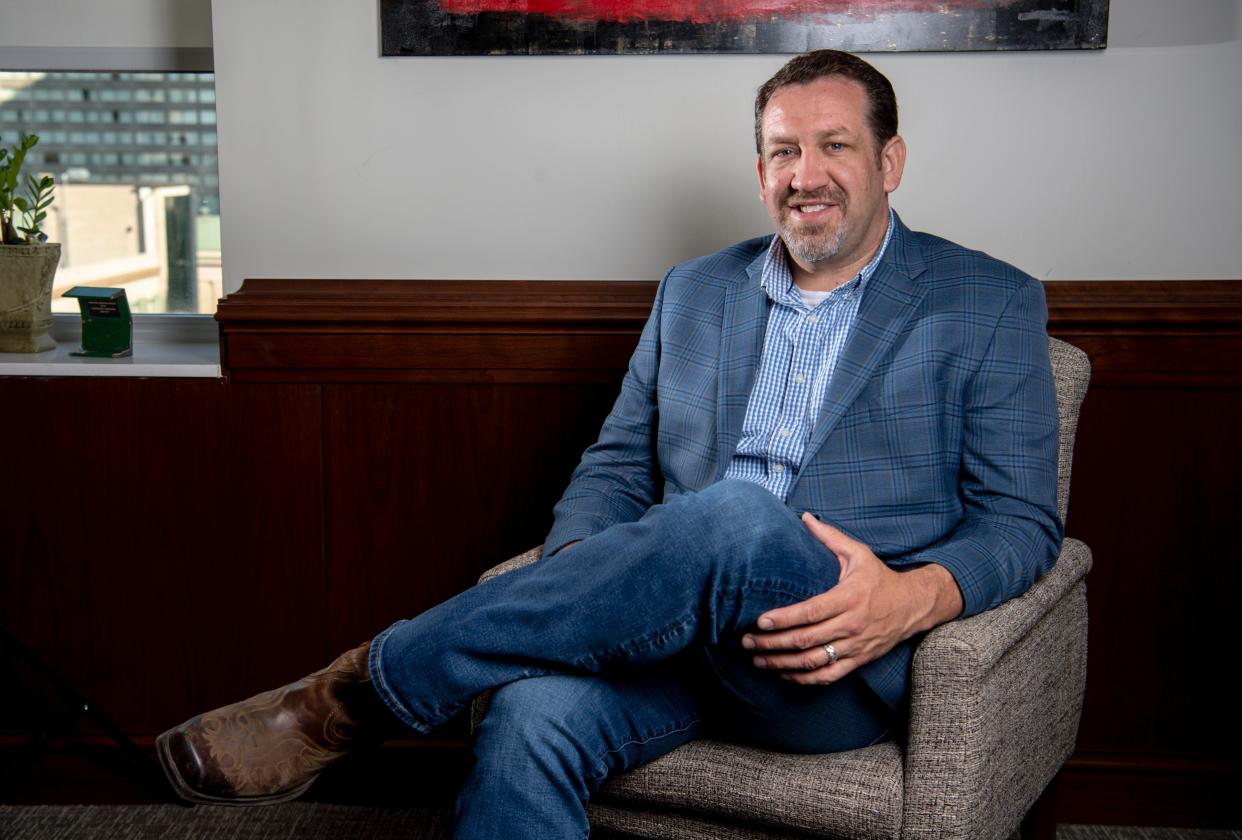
(107, 326)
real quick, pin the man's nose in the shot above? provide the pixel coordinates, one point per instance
(810, 173)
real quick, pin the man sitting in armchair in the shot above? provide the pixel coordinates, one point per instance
(829, 441)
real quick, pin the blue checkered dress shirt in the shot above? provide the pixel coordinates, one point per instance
(800, 352)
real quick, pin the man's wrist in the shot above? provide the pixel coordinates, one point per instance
(937, 593)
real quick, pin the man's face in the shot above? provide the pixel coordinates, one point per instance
(823, 180)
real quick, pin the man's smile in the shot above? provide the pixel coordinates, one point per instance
(813, 209)
(811, 213)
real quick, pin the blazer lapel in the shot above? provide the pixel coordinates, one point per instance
(889, 299)
(745, 320)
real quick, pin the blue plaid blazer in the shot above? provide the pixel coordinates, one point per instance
(937, 440)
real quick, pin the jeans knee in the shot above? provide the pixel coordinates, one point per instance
(738, 514)
(742, 495)
(736, 499)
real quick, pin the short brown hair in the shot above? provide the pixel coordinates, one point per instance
(882, 114)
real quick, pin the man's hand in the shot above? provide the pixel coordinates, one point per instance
(863, 617)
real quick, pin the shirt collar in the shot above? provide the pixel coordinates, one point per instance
(777, 278)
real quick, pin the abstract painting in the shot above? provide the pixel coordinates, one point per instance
(647, 27)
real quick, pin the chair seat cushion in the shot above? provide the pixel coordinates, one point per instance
(856, 794)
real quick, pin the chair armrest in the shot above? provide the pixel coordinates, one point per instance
(994, 709)
(991, 635)
(523, 559)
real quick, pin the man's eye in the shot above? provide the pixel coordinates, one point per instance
(836, 147)
(782, 153)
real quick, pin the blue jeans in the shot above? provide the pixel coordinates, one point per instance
(618, 650)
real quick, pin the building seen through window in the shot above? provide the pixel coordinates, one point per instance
(137, 182)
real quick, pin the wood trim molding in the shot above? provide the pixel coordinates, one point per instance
(1070, 302)
(435, 302)
(1147, 333)
(1190, 306)
(1180, 333)
(515, 331)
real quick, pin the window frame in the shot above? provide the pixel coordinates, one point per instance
(163, 328)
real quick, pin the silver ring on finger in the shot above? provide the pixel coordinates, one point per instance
(832, 653)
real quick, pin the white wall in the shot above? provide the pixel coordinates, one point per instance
(1116, 164)
(105, 23)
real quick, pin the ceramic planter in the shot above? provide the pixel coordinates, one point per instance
(26, 275)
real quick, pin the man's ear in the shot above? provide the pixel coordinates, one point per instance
(893, 162)
(762, 179)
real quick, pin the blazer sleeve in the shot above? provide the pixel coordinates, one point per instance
(1010, 532)
(618, 478)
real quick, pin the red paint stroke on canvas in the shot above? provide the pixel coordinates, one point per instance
(709, 11)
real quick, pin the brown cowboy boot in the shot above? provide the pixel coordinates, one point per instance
(271, 747)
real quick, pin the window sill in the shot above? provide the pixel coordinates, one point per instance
(172, 346)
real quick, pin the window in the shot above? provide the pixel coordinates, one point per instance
(137, 188)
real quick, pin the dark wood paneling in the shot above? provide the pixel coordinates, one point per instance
(1155, 498)
(1154, 495)
(163, 536)
(419, 356)
(430, 485)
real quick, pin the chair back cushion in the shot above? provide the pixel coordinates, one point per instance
(1072, 371)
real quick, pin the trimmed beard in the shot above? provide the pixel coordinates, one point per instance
(813, 248)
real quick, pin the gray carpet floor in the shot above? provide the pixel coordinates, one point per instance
(300, 821)
(318, 821)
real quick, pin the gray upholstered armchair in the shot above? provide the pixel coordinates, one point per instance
(994, 713)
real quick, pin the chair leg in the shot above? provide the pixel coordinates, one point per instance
(1040, 822)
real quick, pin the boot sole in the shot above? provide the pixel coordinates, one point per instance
(189, 794)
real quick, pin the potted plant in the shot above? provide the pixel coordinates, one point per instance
(27, 260)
